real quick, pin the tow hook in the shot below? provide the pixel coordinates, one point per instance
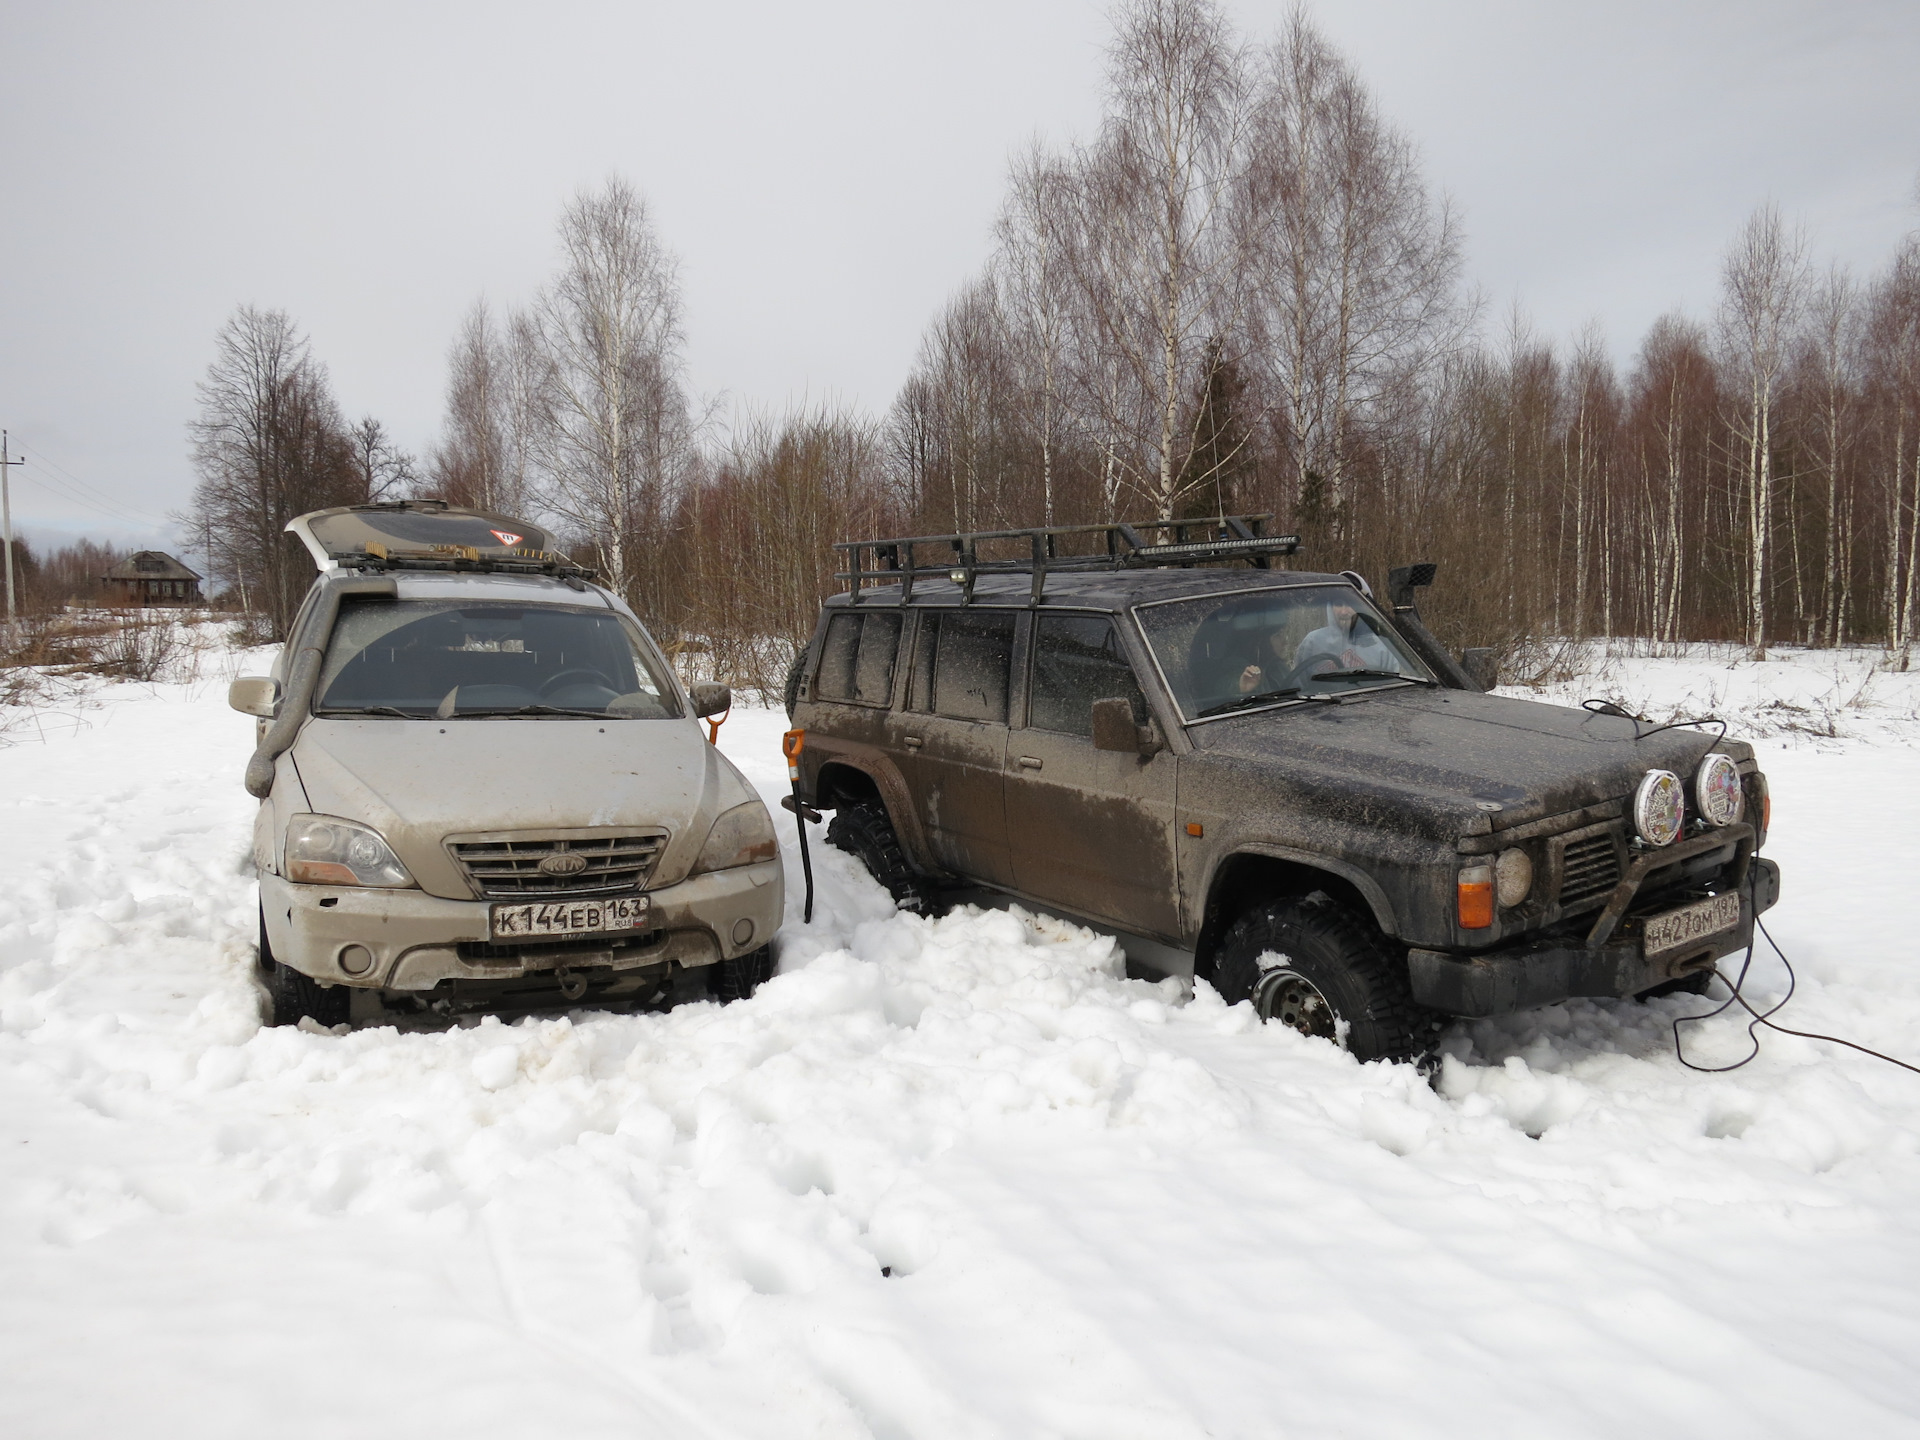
(571, 985)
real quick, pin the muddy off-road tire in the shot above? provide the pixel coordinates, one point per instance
(739, 977)
(293, 997)
(1333, 967)
(864, 832)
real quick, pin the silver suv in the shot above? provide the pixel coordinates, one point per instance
(482, 786)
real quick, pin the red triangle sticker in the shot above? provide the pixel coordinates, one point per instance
(507, 537)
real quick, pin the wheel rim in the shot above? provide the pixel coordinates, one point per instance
(1286, 997)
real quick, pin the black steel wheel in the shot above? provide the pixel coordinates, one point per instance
(739, 977)
(864, 832)
(293, 996)
(1314, 966)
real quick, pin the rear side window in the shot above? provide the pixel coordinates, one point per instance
(1077, 660)
(962, 662)
(856, 659)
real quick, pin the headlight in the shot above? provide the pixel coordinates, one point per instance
(1659, 807)
(742, 836)
(1512, 877)
(326, 850)
(1716, 790)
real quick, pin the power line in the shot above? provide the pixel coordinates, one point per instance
(80, 492)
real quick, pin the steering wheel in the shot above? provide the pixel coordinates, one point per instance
(1313, 664)
(575, 677)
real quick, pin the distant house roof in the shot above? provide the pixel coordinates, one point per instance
(149, 565)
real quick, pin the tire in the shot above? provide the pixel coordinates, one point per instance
(864, 832)
(1335, 971)
(739, 977)
(293, 997)
(792, 689)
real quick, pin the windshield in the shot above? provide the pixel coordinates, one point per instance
(1224, 653)
(446, 660)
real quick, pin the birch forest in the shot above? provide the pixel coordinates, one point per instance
(1240, 294)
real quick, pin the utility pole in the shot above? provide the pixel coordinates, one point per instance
(6, 519)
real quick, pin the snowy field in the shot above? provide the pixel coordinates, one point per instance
(1104, 1213)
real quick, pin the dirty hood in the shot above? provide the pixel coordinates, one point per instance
(419, 781)
(1451, 750)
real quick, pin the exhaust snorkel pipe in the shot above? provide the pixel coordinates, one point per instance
(1402, 581)
(302, 672)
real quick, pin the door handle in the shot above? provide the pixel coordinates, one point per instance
(912, 742)
(1031, 762)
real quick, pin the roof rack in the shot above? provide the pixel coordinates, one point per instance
(462, 559)
(1113, 547)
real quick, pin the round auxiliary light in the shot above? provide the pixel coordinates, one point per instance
(1512, 877)
(1716, 789)
(1659, 807)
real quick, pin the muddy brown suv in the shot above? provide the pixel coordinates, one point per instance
(1260, 777)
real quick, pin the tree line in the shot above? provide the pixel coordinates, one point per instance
(1240, 294)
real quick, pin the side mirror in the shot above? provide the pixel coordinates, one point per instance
(709, 698)
(1482, 665)
(1113, 729)
(254, 695)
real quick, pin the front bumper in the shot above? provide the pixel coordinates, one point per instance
(1543, 972)
(419, 940)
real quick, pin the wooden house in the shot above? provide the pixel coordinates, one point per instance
(151, 577)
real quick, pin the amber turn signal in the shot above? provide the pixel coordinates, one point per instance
(1196, 829)
(1476, 897)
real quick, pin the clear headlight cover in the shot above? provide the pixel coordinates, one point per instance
(326, 850)
(1716, 790)
(742, 836)
(1512, 877)
(1659, 807)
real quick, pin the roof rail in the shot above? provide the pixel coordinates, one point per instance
(1110, 547)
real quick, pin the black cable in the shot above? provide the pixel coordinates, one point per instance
(1766, 1019)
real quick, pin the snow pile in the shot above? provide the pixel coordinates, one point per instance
(1794, 694)
(953, 1178)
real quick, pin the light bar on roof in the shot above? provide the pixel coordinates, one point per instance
(1283, 544)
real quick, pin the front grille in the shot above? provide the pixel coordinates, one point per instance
(536, 948)
(1589, 868)
(510, 869)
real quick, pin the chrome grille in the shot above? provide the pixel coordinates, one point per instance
(509, 868)
(1588, 868)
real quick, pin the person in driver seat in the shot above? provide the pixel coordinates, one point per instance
(1346, 642)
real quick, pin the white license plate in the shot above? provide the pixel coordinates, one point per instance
(1692, 922)
(569, 917)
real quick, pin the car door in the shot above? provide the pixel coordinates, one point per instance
(953, 736)
(1089, 830)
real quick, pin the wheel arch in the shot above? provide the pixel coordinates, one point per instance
(1260, 875)
(842, 781)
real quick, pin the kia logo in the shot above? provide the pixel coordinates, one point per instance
(563, 864)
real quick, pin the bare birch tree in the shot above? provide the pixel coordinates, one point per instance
(1761, 283)
(614, 431)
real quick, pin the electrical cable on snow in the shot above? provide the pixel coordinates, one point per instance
(1762, 1018)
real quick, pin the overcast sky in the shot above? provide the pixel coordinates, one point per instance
(827, 173)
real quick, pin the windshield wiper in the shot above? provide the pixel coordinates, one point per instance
(1241, 702)
(333, 711)
(499, 713)
(1365, 674)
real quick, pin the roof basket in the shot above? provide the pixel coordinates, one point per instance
(428, 534)
(1058, 549)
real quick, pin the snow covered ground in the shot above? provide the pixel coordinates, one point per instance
(1104, 1214)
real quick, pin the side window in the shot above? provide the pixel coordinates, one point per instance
(856, 659)
(962, 662)
(1077, 660)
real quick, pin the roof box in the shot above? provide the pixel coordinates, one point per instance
(426, 532)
